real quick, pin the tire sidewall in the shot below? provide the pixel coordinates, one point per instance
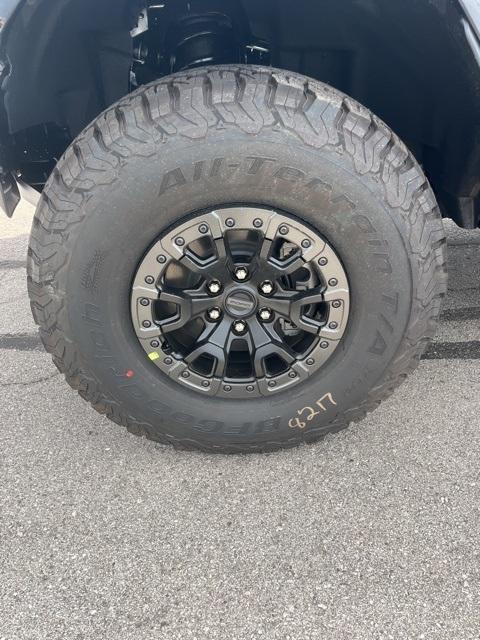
(150, 194)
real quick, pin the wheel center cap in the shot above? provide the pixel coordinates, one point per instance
(240, 303)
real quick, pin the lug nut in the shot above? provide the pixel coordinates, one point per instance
(241, 273)
(267, 287)
(214, 287)
(239, 327)
(214, 314)
(266, 315)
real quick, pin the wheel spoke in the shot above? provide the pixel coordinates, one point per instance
(263, 342)
(281, 303)
(224, 252)
(288, 266)
(173, 323)
(268, 267)
(190, 304)
(290, 305)
(215, 341)
(302, 300)
(265, 248)
(307, 324)
(198, 266)
(218, 266)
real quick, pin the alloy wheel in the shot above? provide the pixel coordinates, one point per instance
(240, 302)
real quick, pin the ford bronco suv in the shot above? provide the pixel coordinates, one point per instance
(238, 242)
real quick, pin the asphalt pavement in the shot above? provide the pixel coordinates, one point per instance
(372, 533)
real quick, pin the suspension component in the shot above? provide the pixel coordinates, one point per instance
(178, 34)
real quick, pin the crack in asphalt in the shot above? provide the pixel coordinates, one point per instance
(12, 301)
(13, 264)
(462, 313)
(453, 351)
(21, 342)
(455, 244)
(29, 383)
(469, 350)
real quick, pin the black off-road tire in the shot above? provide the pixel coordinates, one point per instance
(234, 136)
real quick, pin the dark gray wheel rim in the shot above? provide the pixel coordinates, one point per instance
(240, 302)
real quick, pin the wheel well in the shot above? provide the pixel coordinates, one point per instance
(409, 62)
